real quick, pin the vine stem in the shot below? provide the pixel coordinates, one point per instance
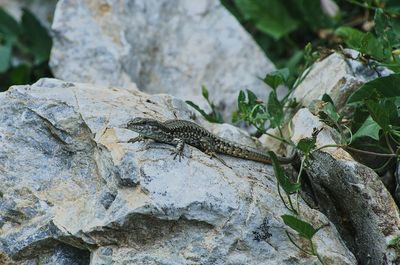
(280, 139)
(388, 143)
(361, 5)
(298, 180)
(284, 202)
(297, 246)
(355, 150)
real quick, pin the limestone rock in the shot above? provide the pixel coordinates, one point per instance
(350, 194)
(73, 187)
(338, 75)
(163, 46)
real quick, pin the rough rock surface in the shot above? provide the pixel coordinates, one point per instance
(75, 192)
(338, 75)
(163, 46)
(351, 195)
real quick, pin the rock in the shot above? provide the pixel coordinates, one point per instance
(43, 9)
(350, 194)
(171, 47)
(338, 76)
(73, 187)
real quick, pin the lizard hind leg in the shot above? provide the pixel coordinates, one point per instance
(209, 150)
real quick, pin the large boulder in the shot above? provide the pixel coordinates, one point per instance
(337, 75)
(75, 192)
(163, 46)
(350, 194)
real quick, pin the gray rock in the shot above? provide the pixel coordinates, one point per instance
(171, 47)
(338, 75)
(64, 151)
(351, 195)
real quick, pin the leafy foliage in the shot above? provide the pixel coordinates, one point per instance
(383, 87)
(306, 145)
(284, 28)
(368, 129)
(283, 180)
(276, 78)
(24, 49)
(214, 115)
(255, 112)
(371, 121)
(305, 229)
(270, 17)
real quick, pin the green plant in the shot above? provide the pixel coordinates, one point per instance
(255, 112)
(214, 115)
(24, 49)
(371, 124)
(284, 27)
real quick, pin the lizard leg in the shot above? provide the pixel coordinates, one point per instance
(213, 154)
(209, 150)
(139, 138)
(178, 151)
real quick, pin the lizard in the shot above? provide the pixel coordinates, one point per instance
(180, 132)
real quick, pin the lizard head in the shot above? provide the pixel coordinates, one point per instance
(144, 126)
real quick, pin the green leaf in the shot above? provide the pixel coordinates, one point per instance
(242, 96)
(377, 48)
(276, 78)
(384, 113)
(327, 98)
(363, 42)
(352, 37)
(262, 117)
(330, 110)
(305, 229)
(242, 105)
(8, 26)
(275, 110)
(204, 92)
(196, 107)
(270, 17)
(306, 145)
(252, 98)
(214, 115)
(381, 22)
(281, 177)
(386, 28)
(20, 75)
(5, 57)
(36, 37)
(235, 117)
(382, 87)
(368, 129)
(312, 13)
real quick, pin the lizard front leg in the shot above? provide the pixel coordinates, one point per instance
(209, 150)
(178, 151)
(139, 138)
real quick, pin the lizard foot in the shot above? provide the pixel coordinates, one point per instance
(177, 153)
(139, 138)
(213, 154)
